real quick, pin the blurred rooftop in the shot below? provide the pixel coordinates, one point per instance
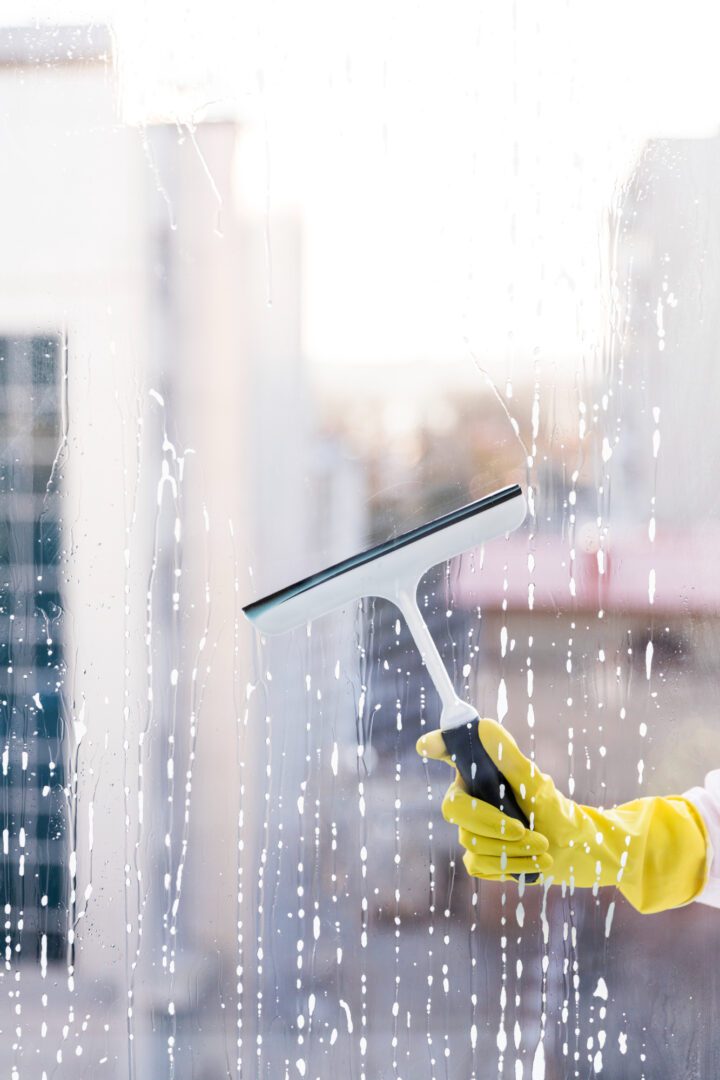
(45, 43)
(683, 567)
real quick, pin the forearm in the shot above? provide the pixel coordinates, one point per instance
(706, 801)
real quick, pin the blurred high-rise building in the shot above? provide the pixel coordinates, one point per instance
(139, 482)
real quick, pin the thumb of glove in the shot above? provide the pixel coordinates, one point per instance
(522, 774)
(432, 746)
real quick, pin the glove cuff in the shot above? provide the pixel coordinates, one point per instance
(667, 862)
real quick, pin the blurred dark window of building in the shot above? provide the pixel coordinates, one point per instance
(34, 886)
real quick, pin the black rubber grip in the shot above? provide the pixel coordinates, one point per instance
(481, 776)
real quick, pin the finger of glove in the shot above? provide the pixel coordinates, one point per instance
(531, 877)
(523, 775)
(486, 866)
(459, 808)
(432, 745)
(532, 843)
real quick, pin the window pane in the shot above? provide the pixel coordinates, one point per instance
(280, 285)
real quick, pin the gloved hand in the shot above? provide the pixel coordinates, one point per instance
(655, 850)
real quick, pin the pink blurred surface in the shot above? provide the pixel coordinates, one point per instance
(537, 574)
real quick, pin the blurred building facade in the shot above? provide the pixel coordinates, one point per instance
(665, 348)
(128, 260)
(65, 245)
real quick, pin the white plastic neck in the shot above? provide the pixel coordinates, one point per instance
(454, 711)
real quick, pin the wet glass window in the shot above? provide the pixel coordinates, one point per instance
(280, 286)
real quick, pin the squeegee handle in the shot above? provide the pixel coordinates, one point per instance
(480, 775)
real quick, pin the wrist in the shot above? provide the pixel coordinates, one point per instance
(667, 853)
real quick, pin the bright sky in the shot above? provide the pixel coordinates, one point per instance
(452, 164)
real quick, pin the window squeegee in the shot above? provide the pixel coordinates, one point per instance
(392, 570)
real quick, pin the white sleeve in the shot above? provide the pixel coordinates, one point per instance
(706, 801)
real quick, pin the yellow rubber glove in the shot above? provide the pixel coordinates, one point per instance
(655, 850)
